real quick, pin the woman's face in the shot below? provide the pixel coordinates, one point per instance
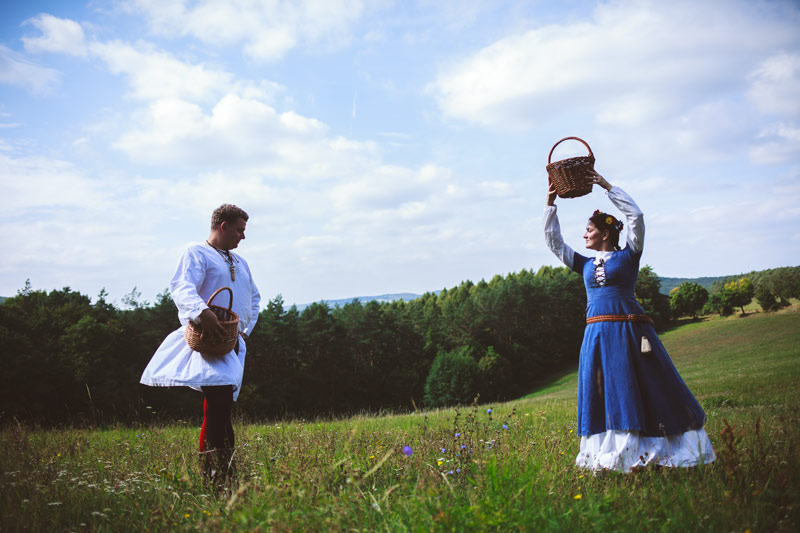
(595, 239)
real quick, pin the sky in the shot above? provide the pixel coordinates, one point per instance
(388, 146)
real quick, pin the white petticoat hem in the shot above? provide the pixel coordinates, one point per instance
(624, 450)
(198, 386)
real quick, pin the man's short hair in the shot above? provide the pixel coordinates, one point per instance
(227, 213)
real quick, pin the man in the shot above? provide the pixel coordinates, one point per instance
(202, 269)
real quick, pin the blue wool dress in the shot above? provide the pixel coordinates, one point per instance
(633, 407)
(620, 387)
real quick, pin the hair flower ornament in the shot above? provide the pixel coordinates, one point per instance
(599, 217)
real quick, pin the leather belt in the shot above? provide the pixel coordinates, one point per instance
(618, 318)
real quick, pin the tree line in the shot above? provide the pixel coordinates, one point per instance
(772, 289)
(67, 359)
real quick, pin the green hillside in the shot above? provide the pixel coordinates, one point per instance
(489, 468)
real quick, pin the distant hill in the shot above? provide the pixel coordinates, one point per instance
(405, 296)
(667, 284)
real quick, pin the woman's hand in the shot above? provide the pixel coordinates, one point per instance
(551, 194)
(597, 179)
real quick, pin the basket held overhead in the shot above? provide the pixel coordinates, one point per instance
(229, 321)
(570, 176)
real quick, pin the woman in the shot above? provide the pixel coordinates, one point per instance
(633, 407)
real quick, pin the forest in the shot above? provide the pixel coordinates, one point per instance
(70, 360)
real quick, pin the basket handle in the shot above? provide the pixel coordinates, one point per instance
(230, 301)
(564, 139)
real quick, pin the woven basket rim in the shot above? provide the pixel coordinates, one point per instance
(569, 175)
(550, 155)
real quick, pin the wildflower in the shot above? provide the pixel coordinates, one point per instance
(187, 515)
(444, 450)
(450, 472)
(407, 451)
(463, 446)
(489, 411)
(458, 434)
(439, 461)
(576, 497)
(505, 426)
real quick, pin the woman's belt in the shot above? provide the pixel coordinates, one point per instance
(618, 318)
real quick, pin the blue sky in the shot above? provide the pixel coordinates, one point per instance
(388, 146)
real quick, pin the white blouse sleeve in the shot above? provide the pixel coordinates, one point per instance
(183, 287)
(553, 237)
(633, 214)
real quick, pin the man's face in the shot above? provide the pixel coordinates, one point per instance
(232, 233)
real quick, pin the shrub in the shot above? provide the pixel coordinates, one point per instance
(451, 380)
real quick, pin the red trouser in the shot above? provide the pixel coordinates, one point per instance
(217, 430)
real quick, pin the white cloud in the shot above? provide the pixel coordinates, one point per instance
(630, 63)
(239, 133)
(780, 143)
(41, 183)
(15, 70)
(776, 85)
(154, 75)
(266, 29)
(58, 35)
(386, 187)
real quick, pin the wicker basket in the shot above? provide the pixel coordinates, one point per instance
(229, 321)
(570, 175)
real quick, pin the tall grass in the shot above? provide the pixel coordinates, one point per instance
(469, 469)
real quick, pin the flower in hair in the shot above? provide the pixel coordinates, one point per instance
(608, 220)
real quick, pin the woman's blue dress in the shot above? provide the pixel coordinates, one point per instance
(621, 388)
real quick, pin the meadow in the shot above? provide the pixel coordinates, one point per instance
(483, 467)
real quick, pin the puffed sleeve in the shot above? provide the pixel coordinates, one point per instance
(183, 287)
(634, 216)
(554, 239)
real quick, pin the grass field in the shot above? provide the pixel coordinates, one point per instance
(470, 469)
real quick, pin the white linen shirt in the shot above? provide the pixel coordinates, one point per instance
(623, 202)
(200, 272)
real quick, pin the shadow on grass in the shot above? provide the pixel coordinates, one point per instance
(552, 380)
